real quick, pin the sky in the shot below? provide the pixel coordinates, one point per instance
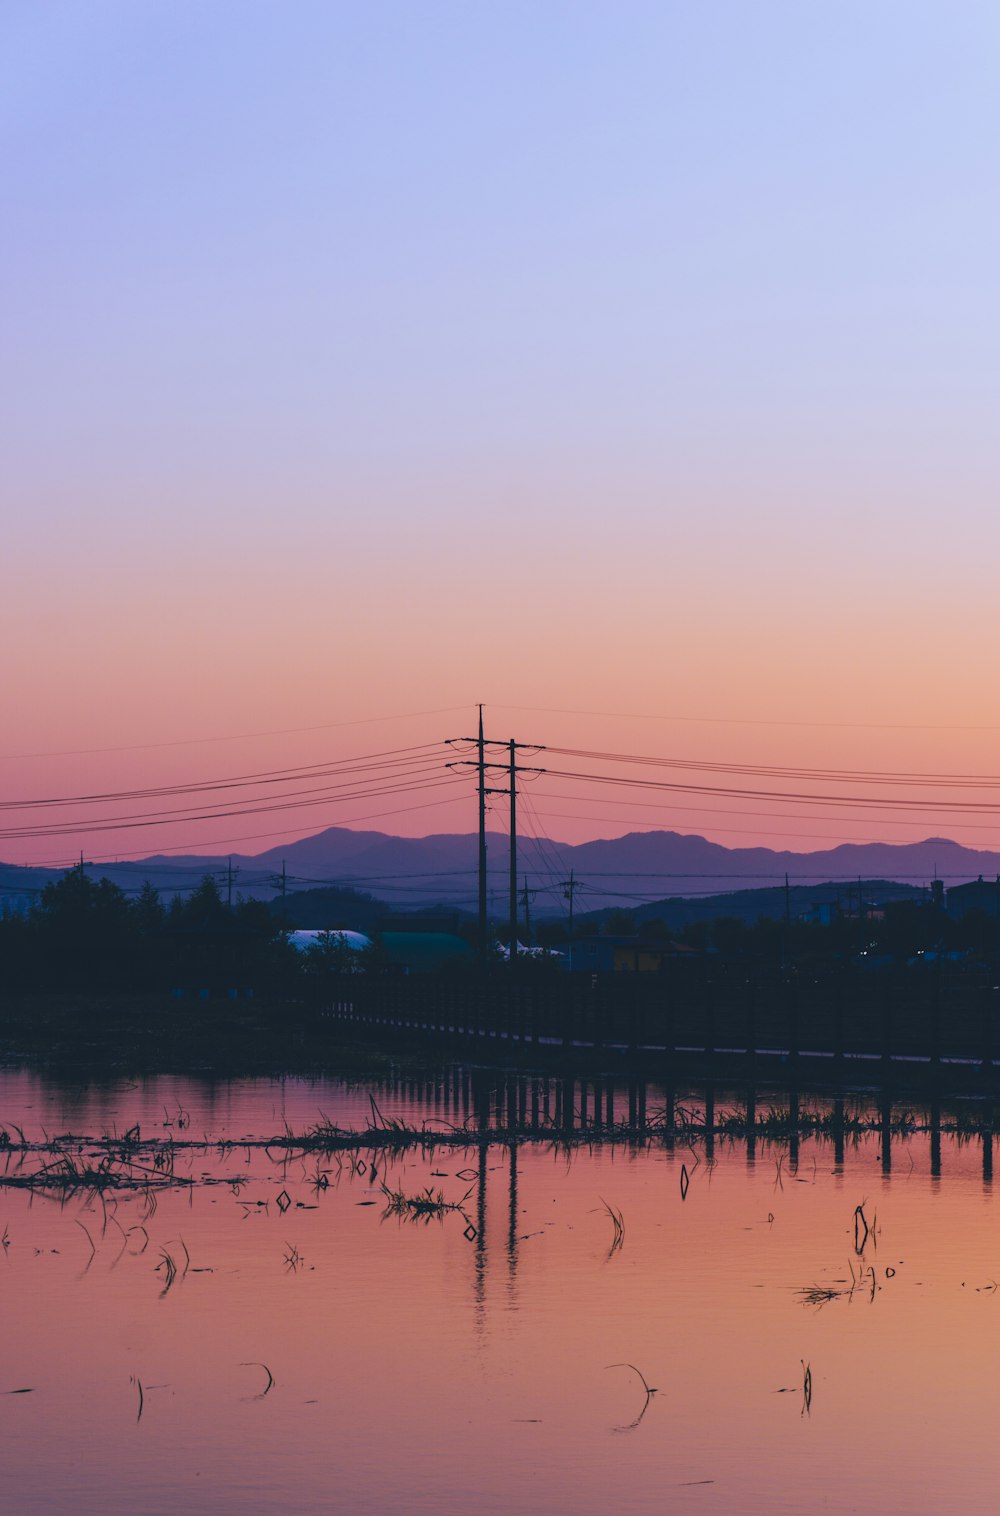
(371, 361)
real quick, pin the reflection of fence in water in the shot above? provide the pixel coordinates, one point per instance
(505, 1111)
(508, 1106)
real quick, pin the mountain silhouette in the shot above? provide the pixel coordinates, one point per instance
(412, 872)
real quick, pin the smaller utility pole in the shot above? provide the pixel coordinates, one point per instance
(229, 883)
(527, 895)
(570, 888)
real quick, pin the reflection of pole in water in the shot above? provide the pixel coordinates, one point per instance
(568, 1100)
(988, 1145)
(936, 1140)
(838, 1134)
(481, 1096)
(479, 1272)
(886, 1126)
(751, 1126)
(512, 1223)
(609, 1102)
(709, 1122)
(669, 1118)
(793, 1130)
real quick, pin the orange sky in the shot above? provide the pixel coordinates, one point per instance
(339, 386)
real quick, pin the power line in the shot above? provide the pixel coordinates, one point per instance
(796, 772)
(860, 726)
(364, 763)
(705, 810)
(295, 832)
(215, 814)
(783, 797)
(288, 731)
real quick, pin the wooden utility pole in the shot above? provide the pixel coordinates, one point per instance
(513, 850)
(512, 768)
(527, 896)
(483, 939)
(570, 888)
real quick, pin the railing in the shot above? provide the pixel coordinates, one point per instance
(892, 1018)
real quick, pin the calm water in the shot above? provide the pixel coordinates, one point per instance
(476, 1361)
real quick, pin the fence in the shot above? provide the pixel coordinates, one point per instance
(906, 1016)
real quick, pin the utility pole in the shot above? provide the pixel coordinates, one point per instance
(229, 883)
(569, 888)
(526, 896)
(284, 879)
(513, 850)
(511, 768)
(483, 938)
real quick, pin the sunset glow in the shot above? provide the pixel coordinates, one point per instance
(659, 382)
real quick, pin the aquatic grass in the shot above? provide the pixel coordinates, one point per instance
(422, 1206)
(821, 1294)
(93, 1250)
(169, 1266)
(650, 1392)
(113, 1168)
(861, 1229)
(254, 1364)
(618, 1226)
(133, 1160)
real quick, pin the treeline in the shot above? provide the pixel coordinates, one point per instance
(900, 930)
(88, 935)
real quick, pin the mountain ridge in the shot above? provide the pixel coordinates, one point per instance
(441, 868)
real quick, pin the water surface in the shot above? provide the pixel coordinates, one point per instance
(300, 1349)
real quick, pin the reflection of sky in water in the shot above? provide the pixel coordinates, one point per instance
(462, 1363)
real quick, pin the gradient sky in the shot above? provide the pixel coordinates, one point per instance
(369, 359)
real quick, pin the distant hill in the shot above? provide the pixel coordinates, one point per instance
(20, 886)
(411, 872)
(751, 905)
(329, 909)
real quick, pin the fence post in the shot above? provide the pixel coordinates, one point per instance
(988, 1003)
(886, 1038)
(936, 1017)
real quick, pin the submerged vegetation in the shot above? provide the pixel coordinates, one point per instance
(423, 1206)
(100, 1165)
